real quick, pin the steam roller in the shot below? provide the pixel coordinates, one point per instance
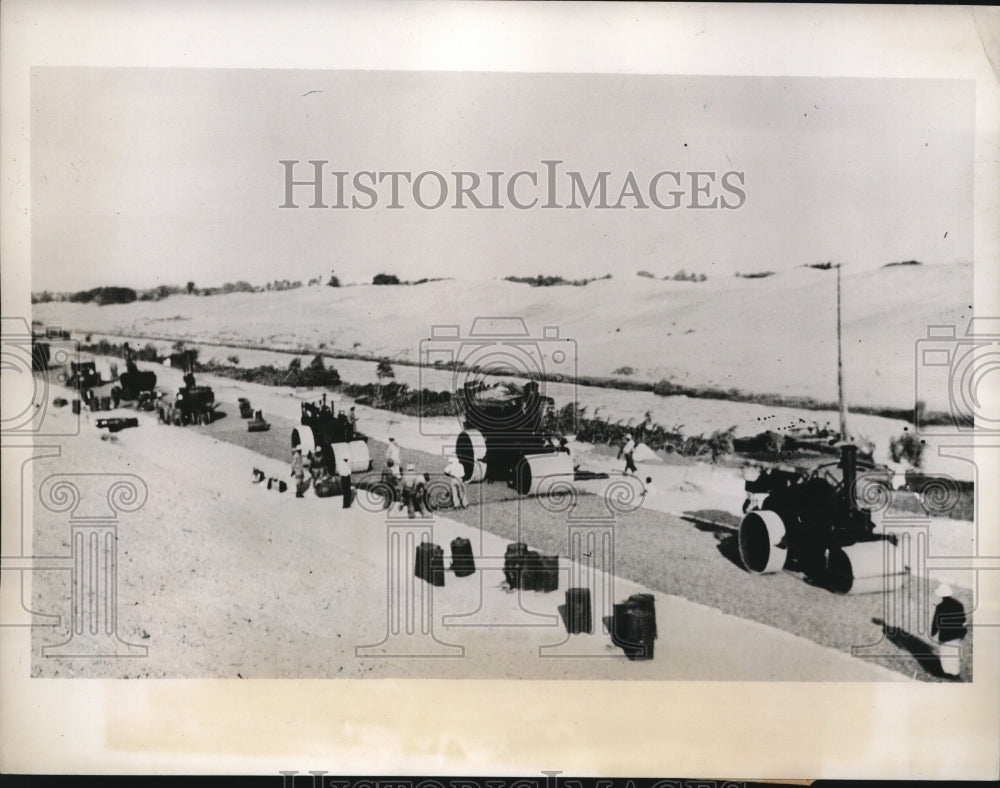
(329, 436)
(812, 523)
(503, 439)
(133, 382)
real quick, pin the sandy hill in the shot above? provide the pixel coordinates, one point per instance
(767, 335)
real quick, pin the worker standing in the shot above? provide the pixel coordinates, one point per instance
(392, 453)
(456, 482)
(352, 418)
(344, 469)
(948, 629)
(391, 478)
(299, 472)
(628, 451)
(420, 502)
(564, 447)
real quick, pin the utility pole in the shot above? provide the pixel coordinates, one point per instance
(840, 368)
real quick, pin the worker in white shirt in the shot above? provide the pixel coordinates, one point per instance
(456, 481)
(628, 450)
(344, 469)
(392, 453)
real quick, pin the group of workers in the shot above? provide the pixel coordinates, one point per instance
(311, 470)
(405, 486)
(408, 489)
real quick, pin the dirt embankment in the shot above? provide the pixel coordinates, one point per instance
(775, 335)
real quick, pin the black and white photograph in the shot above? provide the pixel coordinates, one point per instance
(376, 373)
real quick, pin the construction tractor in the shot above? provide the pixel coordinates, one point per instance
(811, 522)
(133, 384)
(194, 404)
(503, 439)
(327, 436)
(84, 375)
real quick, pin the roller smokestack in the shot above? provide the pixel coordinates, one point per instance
(840, 369)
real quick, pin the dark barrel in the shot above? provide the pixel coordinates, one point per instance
(463, 563)
(576, 613)
(513, 563)
(633, 626)
(430, 563)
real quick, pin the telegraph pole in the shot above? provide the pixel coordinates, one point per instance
(840, 368)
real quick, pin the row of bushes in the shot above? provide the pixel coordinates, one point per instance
(393, 396)
(315, 375)
(595, 429)
(400, 398)
(105, 348)
(666, 388)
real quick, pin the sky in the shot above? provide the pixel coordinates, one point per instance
(143, 177)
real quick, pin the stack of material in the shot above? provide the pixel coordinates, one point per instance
(258, 424)
(528, 570)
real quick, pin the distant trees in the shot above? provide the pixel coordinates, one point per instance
(159, 293)
(680, 276)
(385, 279)
(282, 284)
(238, 287)
(551, 281)
(683, 276)
(102, 296)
